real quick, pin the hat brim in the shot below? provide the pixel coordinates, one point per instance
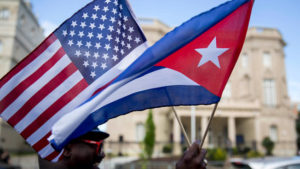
(95, 135)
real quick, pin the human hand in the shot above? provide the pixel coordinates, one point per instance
(193, 158)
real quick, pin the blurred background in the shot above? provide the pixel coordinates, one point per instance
(256, 118)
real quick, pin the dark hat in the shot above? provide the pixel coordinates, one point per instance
(95, 135)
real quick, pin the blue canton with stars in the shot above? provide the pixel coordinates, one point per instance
(99, 36)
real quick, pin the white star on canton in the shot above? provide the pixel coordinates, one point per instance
(107, 1)
(112, 19)
(79, 43)
(137, 40)
(93, 74)
(131, 29)
(90, 35)
(96, 8)
(123, 43)
(105, 9)
(111, 28)
(122, 51)
(128, 46)
(118, 31)
(99, 36)
(97, 45)
(94, 16)
(211, 53)
(74, 23)
(82, 25)
(121, 7)
(103, 66)
(119, 23)
(108, 37)
(77, 53)
(101, 26)
(81, 34)
(120, 15)
(116, 48)
(65, 33)
(114, 11)
(107, 47)
(116, 2)
(124, 35)
(115, 57)
(88, 44)
(72, 33)
(85, 63)
(105, 56)
(117, 39)
(103, 17)
(85, 15)
(87, 54)
(92, 25)
(129, 38)
(125, 18)
(124, 27)
(70, 43)
(96, 55)
(94, 65)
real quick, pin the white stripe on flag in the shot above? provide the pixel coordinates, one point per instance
(29, 69)
(46, 151)
(49, 100)
(160, 78)
(30, 91)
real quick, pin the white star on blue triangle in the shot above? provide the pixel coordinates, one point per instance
(211, 53)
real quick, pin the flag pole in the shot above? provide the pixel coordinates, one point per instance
(208, 126)
(181, 126)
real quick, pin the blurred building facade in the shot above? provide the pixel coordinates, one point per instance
(255, 104)
(20, 33)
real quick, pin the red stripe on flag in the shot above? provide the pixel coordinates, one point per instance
(41, 143)
(54, 108)
(15, 93)
(33, 55)
(42, 93)
(52, 156)
(103, 87)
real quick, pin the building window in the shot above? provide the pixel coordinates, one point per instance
(140, 132)
(244, 60)
(269, 92)
(273, 133)
(267, 60)
(4, 13)
(227, 91)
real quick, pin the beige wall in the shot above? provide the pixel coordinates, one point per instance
(20, 33)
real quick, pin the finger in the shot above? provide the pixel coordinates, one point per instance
(192, 152)
(201, 157)
(203, 166)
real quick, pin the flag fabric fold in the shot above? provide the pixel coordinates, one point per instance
(80, 58)
(189, 66)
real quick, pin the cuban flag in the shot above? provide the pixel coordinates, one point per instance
(189, 66)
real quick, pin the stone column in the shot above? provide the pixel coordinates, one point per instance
(232, 131)
(204, 123)
(176, 137)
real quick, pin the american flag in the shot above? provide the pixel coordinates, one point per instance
(81, 57)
